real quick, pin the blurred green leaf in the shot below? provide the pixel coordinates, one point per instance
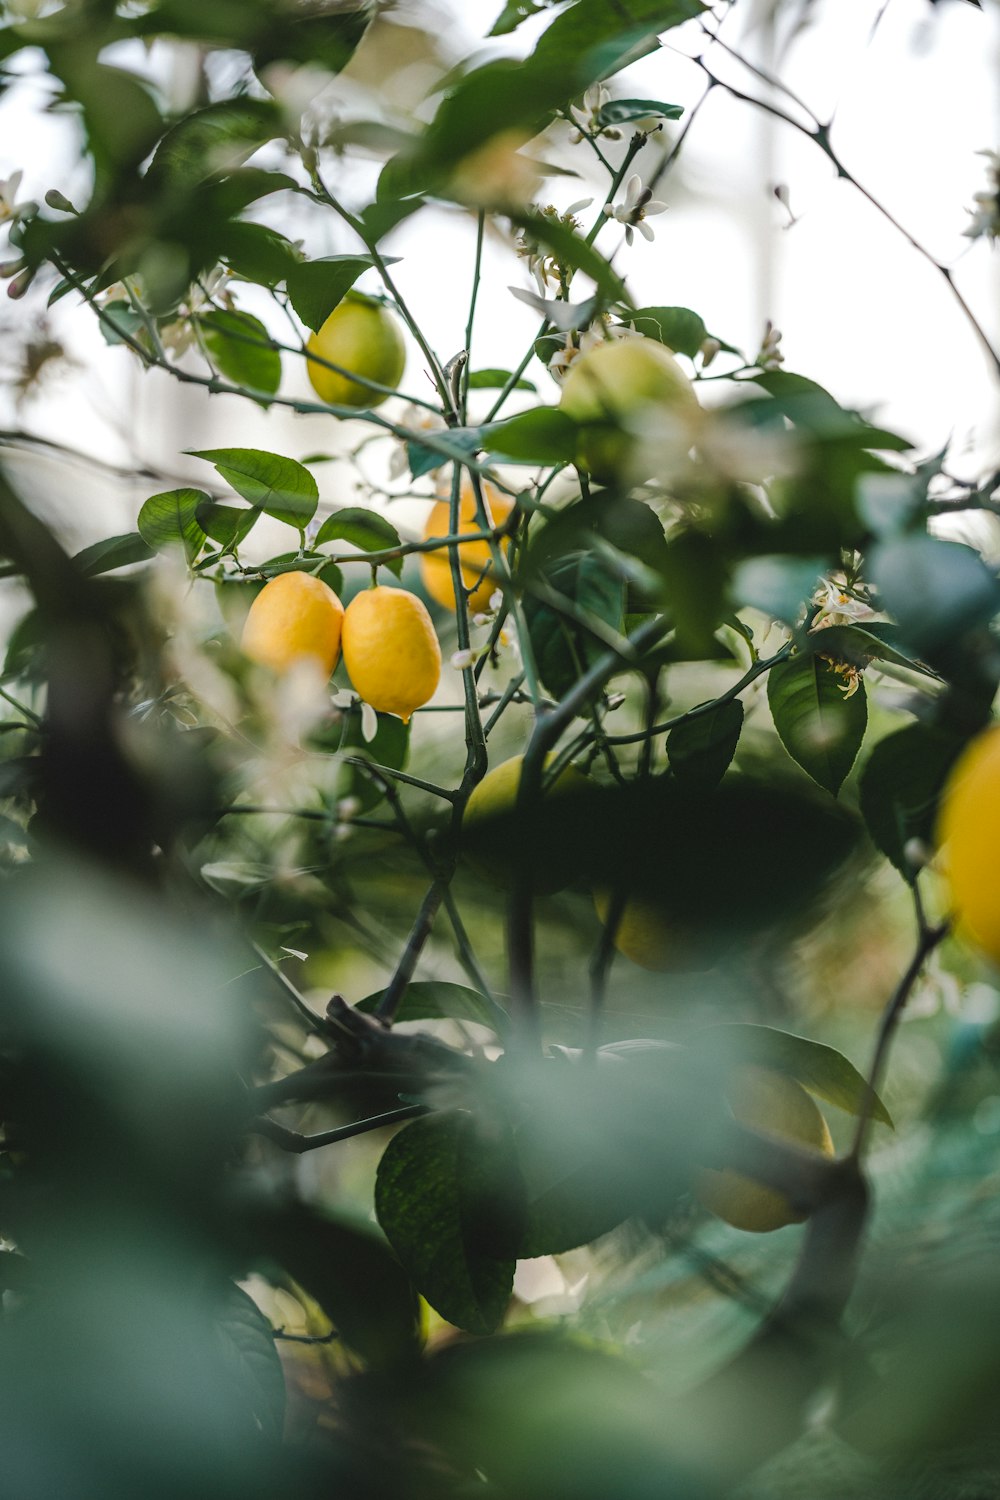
(936, 590)
(821, 1069)
(438, 1000)
(900, 789)
(693, 570)
(434, 1198)
(493, 379)
(571, 249)
(808, 405)
(113, 552)
(240, 347)
(819, 726)
(316, 287)
(278, 486)
(513, 13)
(250, 1360)
(563, 645)
(702, 749)
(256, 252)
(779, 586)
(624, 111)
(213, 141)
(171, 519)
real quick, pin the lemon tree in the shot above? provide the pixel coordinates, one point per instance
(468, 857)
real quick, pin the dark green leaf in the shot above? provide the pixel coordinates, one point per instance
(861, 644)
(701, 749)
(325, 38)
(624, 111)
(434, 1198)
(818, 725)
(563, 645)
(364, 529)
(439, 1000)
(390, 747)
(900, 788)
(121, 119)
(226, 524)
(513, 13)
(113, 552)
(571, 249)
(780, 586)
(821, 1069)
(316, 287)
(170, 519)
(278, 486)
(213, 141)
(679, 328)
(424, 460)
(240, 347)
(488, 380)
(936, 590)
(251, 1363)
(694, 582)
(257, 253)
(543, 436)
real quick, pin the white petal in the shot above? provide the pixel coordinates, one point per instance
(645, 231)
(528, 297)
(629, 236)
(633, 191)
(369, 723)
(576, 208)
(654, 208)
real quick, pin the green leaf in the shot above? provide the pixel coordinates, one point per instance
(424, 460)
(694, 582)
(679, 328)
(563, 646)
(809, 406)
(390, 747)
(623, 111)
(226, 524)
(820, 728)
(351, 1272)
(861, 644)
(513, 13)
(364, 529)
(278, 486)
(821, 1069)
(119, 322)
(251, 1361)
(701, 750)
(543, 436)
(170, 519)
(489, 380)
(936, 590)
(257, 253)
(439, 1000)
(241, 349)
(434, 1198)
(326, 38)
(780, 586)
(900, 789)
(213, 141)
(571, 249)
(120, 117)
(316, 287)
(113, 552)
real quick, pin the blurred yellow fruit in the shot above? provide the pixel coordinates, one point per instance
(776, 1105)
(435, 567)
(294, 616)
(969, 829)
(494, 800)
(648, 936)
(390, 650)
(618, 389)
(362, 336)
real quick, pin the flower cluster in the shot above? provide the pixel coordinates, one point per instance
(635, 208)
(599, 332)
(542, 264)
(769, 355)
(588, 116)
(986, 214)
(839, 605)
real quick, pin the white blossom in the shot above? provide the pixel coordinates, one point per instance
(9, 209)
(769, 356)
(587, 116)
(635, 208)
(986, 214)
(460, 660)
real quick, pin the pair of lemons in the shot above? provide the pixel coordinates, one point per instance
(390, 649)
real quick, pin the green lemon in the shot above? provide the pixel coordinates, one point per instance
(364, 337)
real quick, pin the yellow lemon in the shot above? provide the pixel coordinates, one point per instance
(620, 387)
(390, 650)
(969, 829)
(294, 616)
(648, 936)
(778, 1105)
(364, 337)
(475, 557)
(495, 851)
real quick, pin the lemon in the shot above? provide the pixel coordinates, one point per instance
(495, 851)
(618, 388)
(362, 336)
(390, 650)
(294, 616)
(778, 1105)
(475, 557)
(969, 829)
(648, 936)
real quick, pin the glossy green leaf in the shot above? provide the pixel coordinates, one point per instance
(701, 749)
(435, 1197)
(113, 552)
(900, 789)
(364, 529)
(543, 436)
(626, 111)
(213, 141)
(226, 524)
(819, 726)
(316, 287)
(240, 347)
(278, 486)
(563, 645)
(170, 519)
(492, 379)
(439, 1000)
(257, 253)
(821, 1069)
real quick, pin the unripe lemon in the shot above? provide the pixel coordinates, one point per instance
(777, 1105)
(294, 616)
(648, 936)
(362, 336)
(495, 800)
(390, 650)
(969, 829)
(618, 388)
(475, 557)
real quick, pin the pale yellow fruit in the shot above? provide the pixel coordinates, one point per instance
(495, 799)
(475, 557)
(364, 337)
(777, 1105)
(648, 936)
(617, 389)
(391, 652)
(294, 617)
(969, 829)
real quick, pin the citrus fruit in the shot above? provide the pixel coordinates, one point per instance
(776, 1105)
(648, 936)
(615, 390)
(475, 557)
(364, 337)
(494, 838)
(295, 616)
(390, 650)
(969, 829)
